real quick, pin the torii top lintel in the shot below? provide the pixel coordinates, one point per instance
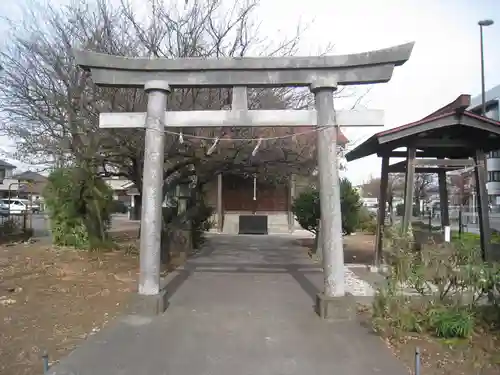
(355, 69)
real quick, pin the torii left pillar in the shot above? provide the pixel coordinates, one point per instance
(152, 299)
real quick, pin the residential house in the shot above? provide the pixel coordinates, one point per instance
(121, 189)
(27, 185)
(492, 98)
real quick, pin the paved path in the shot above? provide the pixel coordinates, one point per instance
(244, 306)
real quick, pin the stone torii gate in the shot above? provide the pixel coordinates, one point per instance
(321, 74)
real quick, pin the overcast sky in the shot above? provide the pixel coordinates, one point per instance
(445, 61)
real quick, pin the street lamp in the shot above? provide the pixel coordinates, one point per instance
(483, 23)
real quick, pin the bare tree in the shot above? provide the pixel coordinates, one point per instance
(460, 186)
(51, 108)
(371, 187)
(395, 186)
(422, 183)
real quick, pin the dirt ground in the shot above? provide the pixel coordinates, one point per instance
(358, 248)
(478, 355)
(51, 299)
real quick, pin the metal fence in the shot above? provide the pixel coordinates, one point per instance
(15, 226)
(468, 217)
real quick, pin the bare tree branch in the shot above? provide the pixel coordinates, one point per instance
(51, 108)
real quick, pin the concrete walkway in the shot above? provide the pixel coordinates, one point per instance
(244, 306)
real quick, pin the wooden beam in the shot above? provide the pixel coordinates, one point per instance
(442, 143)
(427, 153)
(427, 169)
(445, 162)
(241, 118)
(397, 167)
(432, 165)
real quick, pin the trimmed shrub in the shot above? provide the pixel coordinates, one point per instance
(79, 205)
(367, 221)
(350, 206)
(306, 208)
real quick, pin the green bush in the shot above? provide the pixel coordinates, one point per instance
(306, 208)
(200, 222)
(79, 206)
(367, 221)
(350, 205)
(451, 322)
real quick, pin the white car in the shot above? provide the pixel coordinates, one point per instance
(13, 206)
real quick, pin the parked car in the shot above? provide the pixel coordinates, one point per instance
(17, 206)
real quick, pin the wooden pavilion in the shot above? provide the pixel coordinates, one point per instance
(449, 139)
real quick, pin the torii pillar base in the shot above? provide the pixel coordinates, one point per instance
(150, 305)
(336, 308)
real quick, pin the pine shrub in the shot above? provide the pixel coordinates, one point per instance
(79, 204)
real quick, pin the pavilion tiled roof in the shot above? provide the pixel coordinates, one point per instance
(454, 111)
(440, 116)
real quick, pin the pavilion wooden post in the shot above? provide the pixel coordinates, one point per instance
(220, 215)
(482, 204)
(291, 197)
(443, 199)
(384, 182)
(409, 187)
